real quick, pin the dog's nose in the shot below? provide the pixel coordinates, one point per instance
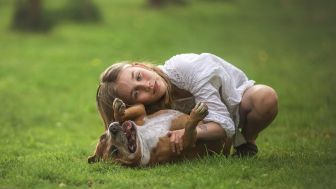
(113, 128)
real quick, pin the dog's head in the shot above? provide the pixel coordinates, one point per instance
(119, 144)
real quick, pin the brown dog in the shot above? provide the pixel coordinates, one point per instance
(133, 145)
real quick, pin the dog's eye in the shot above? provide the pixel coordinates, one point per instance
(102, 137)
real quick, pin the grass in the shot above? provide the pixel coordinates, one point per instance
(49, 122)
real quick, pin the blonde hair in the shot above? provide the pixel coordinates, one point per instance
(107, 90)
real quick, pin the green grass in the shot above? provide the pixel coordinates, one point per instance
(49, 122)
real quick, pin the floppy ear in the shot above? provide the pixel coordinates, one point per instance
(92, 159)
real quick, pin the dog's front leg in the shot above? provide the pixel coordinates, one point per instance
(135, 113)
(197, 114)
(119, 108)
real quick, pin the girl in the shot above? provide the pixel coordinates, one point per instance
(237, 107)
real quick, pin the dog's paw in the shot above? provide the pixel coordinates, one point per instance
(119, 108)
(199, 112)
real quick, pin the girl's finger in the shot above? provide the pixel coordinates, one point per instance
(181, 143)
(177, 144)
(172, 141)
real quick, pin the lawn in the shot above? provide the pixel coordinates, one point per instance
(50, 125)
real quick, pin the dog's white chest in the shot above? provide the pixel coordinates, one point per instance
(152, 130)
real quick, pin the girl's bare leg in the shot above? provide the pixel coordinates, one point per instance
(258, 108)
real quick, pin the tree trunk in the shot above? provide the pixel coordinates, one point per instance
(28, 16)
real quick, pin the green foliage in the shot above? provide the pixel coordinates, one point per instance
(81, 10)
(49, 121)
(163, 3)
(29, 15)
(34, 16)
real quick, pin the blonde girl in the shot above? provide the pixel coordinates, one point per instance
(238, 107)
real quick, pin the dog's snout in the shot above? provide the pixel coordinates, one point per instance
(113, 130)
(114, 127)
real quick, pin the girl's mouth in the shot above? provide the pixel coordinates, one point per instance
(155, 87)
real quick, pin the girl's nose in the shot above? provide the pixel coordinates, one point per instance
(146, 85)
(150, 84)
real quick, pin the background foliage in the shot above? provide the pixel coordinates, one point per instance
(49, 122)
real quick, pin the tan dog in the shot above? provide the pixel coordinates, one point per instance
(133, 145)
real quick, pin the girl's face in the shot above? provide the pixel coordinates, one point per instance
(138, 84)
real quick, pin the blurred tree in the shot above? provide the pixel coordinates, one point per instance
(82, 10)
(29, 16)
(161, 3)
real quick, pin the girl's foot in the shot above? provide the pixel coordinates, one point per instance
(247, 149)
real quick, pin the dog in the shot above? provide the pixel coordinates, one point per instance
(144, 141)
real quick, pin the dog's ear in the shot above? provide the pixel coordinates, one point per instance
(92, 159)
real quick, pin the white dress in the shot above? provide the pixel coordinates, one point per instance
(213, 81)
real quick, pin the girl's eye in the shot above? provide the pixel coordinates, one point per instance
(138, 77)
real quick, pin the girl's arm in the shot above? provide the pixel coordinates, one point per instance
(210, 131)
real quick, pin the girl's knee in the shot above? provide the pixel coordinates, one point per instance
(267, 101)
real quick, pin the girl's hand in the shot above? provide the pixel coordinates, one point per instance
(176, 140)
